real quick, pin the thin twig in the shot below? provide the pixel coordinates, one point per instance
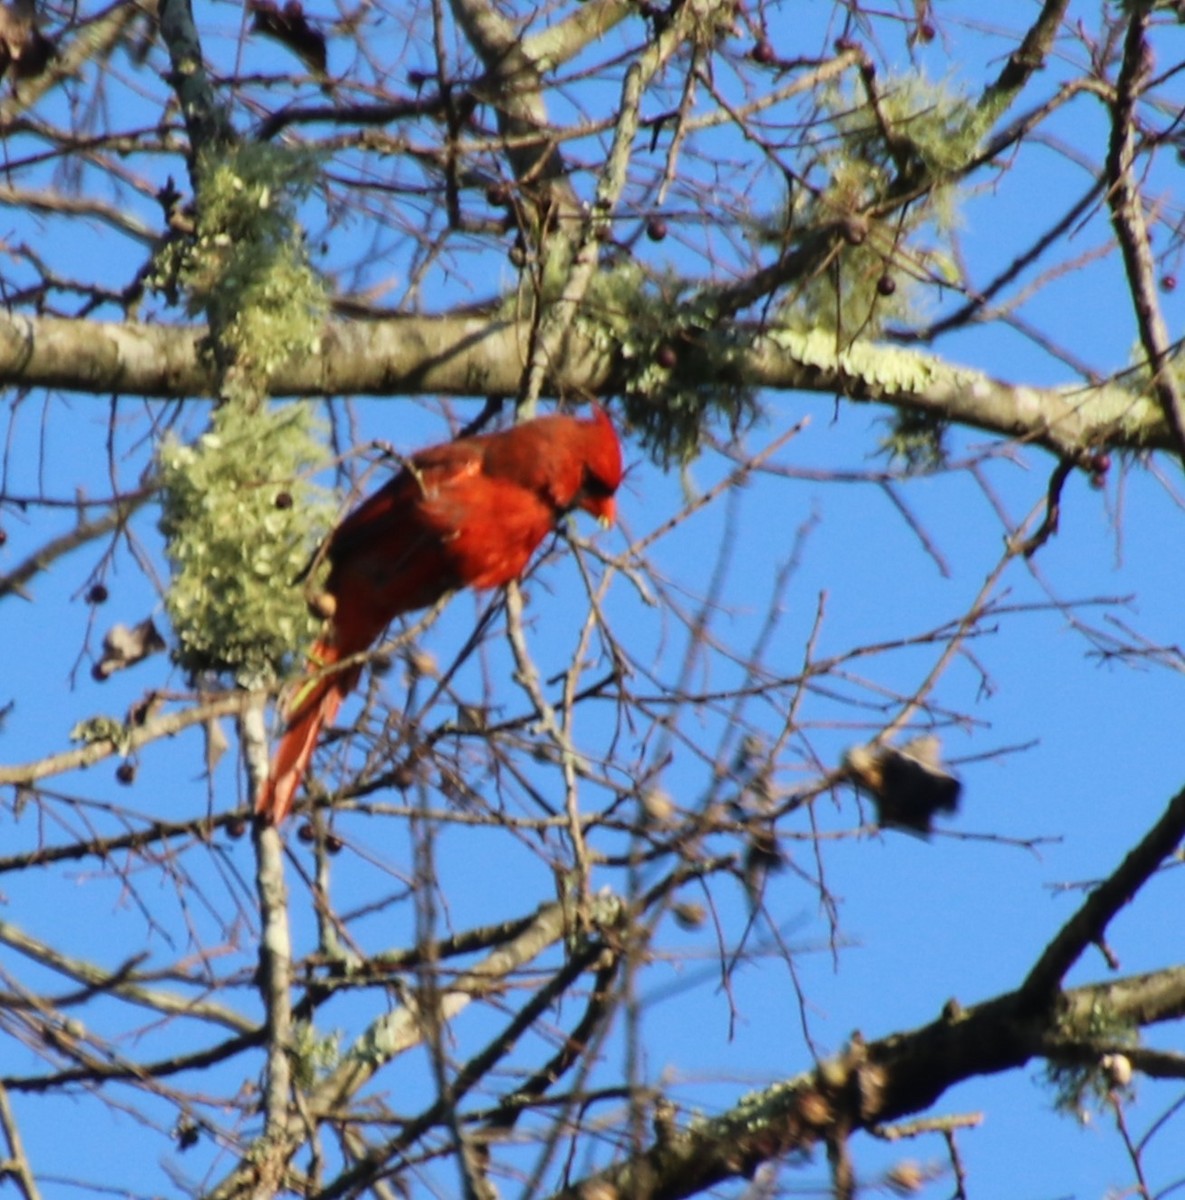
(226, 704)
(528, 677)
(17, 1165)
(13, 583)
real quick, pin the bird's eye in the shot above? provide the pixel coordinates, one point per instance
(596, 488)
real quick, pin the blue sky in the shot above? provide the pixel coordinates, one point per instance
(917, 922)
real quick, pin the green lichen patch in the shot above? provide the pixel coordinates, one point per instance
(679, 372)
(246, 267)
(239, 519)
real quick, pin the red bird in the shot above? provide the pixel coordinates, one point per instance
(468, 513)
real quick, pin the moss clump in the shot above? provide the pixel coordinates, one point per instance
(246, 267)
(679, 369)
(914, 142)
(239, 519)
(313, 1054)
(917, 440)
(1081, 1079)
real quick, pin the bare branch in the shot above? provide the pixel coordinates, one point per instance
(133, 738)
(1131, 229)
(16, 1166)
(1090, 922)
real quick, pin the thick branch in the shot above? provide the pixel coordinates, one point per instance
(1028, 58)
(477, 356)
(123, 983)
(205, 118)
(869, 1085)
(514, 82)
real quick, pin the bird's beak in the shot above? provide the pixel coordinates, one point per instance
(600, 507)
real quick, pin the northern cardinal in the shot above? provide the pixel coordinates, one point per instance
(468, 513)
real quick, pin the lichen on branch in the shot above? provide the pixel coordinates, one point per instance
(888, 158)
(239, 518)
(238, 514)
(674, 378)
(246, 267)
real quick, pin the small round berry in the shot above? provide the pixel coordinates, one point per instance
(283, 500)
(666, 357)
(886, 285)
(656, 229)
(125, 773)
(403, 776)
(97, 594)
(305, 832)
(763, 53)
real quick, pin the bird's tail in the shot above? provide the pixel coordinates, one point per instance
(313, 706)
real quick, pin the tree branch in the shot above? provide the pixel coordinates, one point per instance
(13, 583)
(475, 356)
(17, 1164)
(1131, 230)
(397, 1031)
(122, 983)
(869, 1085)
(1028, 58)
(134, 738)
(205, 119)
(1089, 923)
(275, 943)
